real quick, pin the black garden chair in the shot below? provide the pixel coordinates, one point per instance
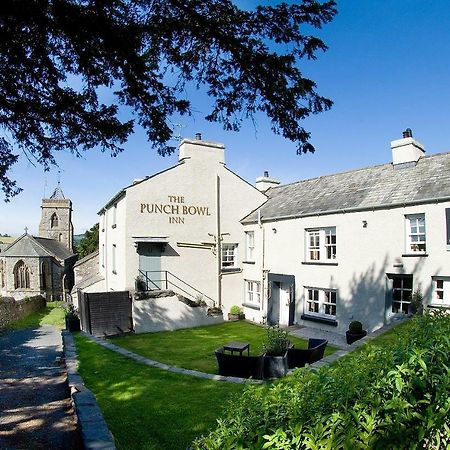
(298, 357)
(239, 366)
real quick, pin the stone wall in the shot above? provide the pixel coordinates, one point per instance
(12, 310)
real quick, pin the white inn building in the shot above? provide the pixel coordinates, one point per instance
(319, 252)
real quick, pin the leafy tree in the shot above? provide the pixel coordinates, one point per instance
(58, 56)
(89, 243)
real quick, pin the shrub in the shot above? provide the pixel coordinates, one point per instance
(395, 394)
(355, 327)
(276, 342)
(235, 310)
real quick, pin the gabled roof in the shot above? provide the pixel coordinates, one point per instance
(30, 246)
(364, 189)
(86, 258)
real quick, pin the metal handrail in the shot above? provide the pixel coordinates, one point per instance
(169, 282)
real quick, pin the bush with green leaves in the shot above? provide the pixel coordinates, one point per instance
(235, 310)
(393, 393)
(276, 342)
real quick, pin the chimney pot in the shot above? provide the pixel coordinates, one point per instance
(198, 136)
(266, 174)
(407, 133)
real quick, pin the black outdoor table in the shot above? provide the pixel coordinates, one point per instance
(236, 346)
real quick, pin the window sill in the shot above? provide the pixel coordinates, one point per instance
(324, 320)
(114, 226)
(248, 262)
(414, 255)
(251, 306)
(227, 270)
(319, 263)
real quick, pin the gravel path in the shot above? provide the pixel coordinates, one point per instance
(35, 408)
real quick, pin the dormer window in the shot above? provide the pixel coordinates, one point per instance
(54, 221)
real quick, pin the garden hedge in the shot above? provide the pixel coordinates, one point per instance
(393, 393)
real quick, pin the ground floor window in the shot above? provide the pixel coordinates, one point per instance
(320, 302)
(21, 276)
(229, 256)
(252, 292)
(441, 290)
(402, 288)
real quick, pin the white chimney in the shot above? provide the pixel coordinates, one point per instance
(205, 151)
(265, 182)
(406, 150)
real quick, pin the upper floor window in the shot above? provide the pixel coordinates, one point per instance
(250, 245)
(229, 256)
(21, 276)
(54, 221)
(321, 244)
(2, 274)
(415, 233)
(114, 216)
(114, 250)
(321, 302)
(252, 291)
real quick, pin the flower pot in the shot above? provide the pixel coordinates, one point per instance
(353, 337)
(73, 323)
(275, 366)
(234, 317)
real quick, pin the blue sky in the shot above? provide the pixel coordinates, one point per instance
(387, 69)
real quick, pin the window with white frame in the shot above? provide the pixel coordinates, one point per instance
(441, 290)
(321, 302)
(402, 289)
(103, 255)
(114, 216)
(321, 244)
(229, 256)
(415, 233)
(252, 292)
(250, 245)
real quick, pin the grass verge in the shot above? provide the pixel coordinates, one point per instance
(193, 348)
(52, 314)
(147, 408)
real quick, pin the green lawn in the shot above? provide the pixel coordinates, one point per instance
(193, 348)
(147, 408)
(52, 314)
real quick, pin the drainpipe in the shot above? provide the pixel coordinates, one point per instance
(264, 291)
(219, 245)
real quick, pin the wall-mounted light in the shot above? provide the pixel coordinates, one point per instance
(364, 222)
(274, 230)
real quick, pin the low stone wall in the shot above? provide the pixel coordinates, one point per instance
(169, 313)
(12, 310)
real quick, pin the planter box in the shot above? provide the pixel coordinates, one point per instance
(73, 324)
(275, 366)
(233, 317)
(353, 337)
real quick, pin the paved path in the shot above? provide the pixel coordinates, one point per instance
(35, 410)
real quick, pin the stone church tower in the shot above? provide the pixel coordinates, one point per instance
(56, 219)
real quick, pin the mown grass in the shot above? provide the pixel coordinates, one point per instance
(147, 408)
(52, 314)
(193, 348)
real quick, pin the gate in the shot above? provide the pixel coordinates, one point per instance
(106, 313)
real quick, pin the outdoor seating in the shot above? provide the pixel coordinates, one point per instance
(239, 366)
(298, 357)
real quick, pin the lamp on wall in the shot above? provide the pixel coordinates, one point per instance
(274, 230)
(364, 222)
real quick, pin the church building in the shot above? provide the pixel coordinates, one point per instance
(42, 265)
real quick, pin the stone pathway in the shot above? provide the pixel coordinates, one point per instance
(35, 407)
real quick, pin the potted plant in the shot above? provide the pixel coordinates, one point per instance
(275, 347)
(72, 319)
(236, 313)
(139, 284)
(355, 331)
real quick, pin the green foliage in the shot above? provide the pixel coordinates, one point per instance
(70, 310)
(276, 342)
(394, 396)
(89, 243)
(52, 314)
(355, 327)
(417, 302)
(235, 310)
(58, 57)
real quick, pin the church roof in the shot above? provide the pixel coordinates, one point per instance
(375, 187)
(30, 246)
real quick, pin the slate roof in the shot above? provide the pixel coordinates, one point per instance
(86, 258)
(370, 188)
(27, 245)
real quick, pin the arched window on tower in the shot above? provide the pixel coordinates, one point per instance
(2, 274)
(21, 276)
(54, 221)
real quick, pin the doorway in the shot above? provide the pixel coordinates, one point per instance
(281, 300)
(150, 264)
